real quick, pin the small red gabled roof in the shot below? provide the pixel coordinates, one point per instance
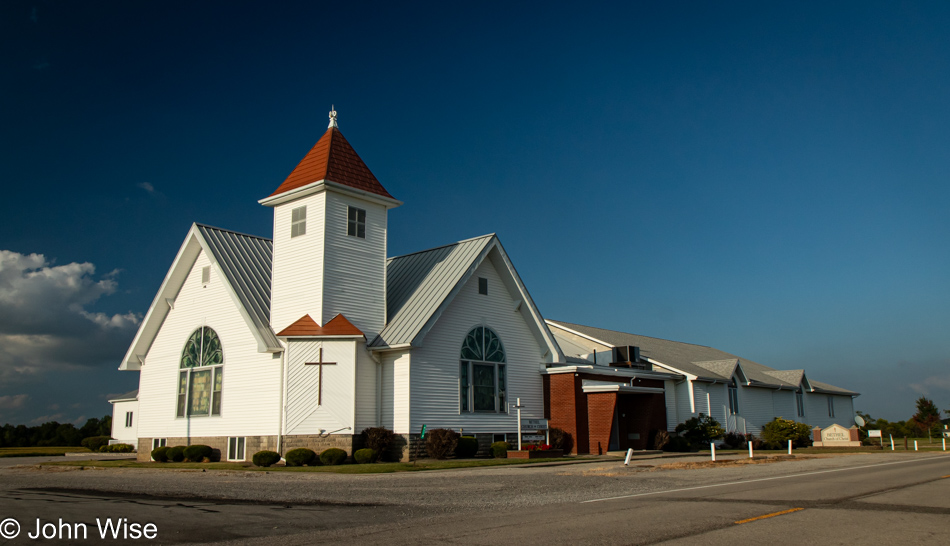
(332, 158)
(307, 327)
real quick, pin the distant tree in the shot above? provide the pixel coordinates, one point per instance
(927, 417)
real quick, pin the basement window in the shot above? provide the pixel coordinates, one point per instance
(298, 221)
(356, 222)
(236, 448)
(159, 442)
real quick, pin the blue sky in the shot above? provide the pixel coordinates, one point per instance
(770, 180)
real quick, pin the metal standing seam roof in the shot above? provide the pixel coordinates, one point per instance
(246, 261)
(694, 359)
(418, 283)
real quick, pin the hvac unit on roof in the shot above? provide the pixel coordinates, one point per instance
(628, 356)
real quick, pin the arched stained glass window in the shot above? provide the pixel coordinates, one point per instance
(201, 375)
(482, 372)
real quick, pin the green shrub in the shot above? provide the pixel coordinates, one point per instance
(441, 442)
(700, 431)
(778, 432)
(734, 440)
(198, 453)
(365, 456)
(561, 439)
(265, 458)
(117, 448)
(176, 454)
(160, 454)
(466, 448)
(300, 457)
(678, 444)
(499, 450)
(93, 443)
(380, 440)
(332, 456)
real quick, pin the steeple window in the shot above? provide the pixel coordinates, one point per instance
(356, 222)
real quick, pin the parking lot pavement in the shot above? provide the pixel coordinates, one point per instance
(602, 502)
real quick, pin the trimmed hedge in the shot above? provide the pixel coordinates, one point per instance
(93, 443)
(466, 448)
(160, 454)
(332, 456)
(365, 456)
(301, 457)
(380, 440)
(198, 453)
(265, 458)
(117, 448)
(499, 450)
(440, 442)
(176, 454)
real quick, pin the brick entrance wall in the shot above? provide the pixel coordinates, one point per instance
(565, 406)
(601, 406)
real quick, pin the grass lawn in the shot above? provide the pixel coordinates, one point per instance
(39, 451)
(377, 468)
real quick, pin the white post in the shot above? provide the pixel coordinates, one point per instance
(892, 441)
(915, 445)
(789, 447)
(750, 450)
(518, 405)
(629, 454)
(944, 444)
(712, 449)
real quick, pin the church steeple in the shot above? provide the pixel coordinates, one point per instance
(329, 254)
(333, 159)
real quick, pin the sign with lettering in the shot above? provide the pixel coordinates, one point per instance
(874, 434)
(837, 436)
(534, 424)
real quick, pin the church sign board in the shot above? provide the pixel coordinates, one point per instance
(836, 436)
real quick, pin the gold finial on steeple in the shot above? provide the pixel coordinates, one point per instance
(332, 118)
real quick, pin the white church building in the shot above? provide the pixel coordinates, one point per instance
(306, 339)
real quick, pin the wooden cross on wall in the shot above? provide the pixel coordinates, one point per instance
(321, 364)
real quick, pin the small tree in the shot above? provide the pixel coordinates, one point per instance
(700, 431)
(927, 416)
(777, 432)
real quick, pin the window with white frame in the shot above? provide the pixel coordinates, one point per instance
(201, 375)
(298, 221)
(356, 222)
(236, 448)
(158, 442)
(831, 406)
(800, 402)
(483, 381)
(733, 397)
(128, 419)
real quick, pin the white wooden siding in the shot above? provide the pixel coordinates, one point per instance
(755, 406)
(355, 269)
(434, 397)
(670, 397)
(304, 414)
(719, 400)
(366, 394)
(682, 402)
(402, 394)
(783, 405)
(126, 435)
(251, 386)
(297, 280)
(387, 389)
(816, 410)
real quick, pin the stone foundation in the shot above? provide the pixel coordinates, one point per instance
(252, 444)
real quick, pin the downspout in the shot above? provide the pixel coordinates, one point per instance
(283, 394)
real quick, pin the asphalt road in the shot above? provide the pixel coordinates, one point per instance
(837, 500)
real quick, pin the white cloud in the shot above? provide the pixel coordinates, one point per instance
(933, 384)
(13, 401)
(44, 323)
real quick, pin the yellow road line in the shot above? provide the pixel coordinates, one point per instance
(947, 476)
(783, 512)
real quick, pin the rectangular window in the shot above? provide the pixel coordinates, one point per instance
(831, 407)
(483, 387)
(236, 449)
(463, 386)
(800, 401)
(483, 285)
(216, 395)
(199, 401)
(182, 392)
(502, 400)
(734, 398)
(158, 442)
(128, 419)
(206, 274)
(298, 221)
(356, 222)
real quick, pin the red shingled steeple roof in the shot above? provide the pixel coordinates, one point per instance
(332, 158)
(306, 326)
